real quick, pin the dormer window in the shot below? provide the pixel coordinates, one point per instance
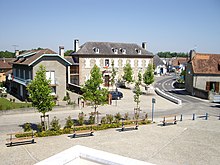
(123, 51)
(138, 51)
(115, 50)
(96, 50)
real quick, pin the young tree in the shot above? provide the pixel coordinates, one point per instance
(148, 76)
(128, 73)
(92, 92)
(40, 92)
(137, 90)
(113, 75)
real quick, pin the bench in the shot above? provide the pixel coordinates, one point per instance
(83, 132)
(133, 124)
(169, 119)
(20, 140)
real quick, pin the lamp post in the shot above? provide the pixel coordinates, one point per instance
(153, 102)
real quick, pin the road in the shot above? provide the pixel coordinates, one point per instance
(11, 122)
(166, 85)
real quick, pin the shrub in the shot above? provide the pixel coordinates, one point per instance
(126, 116)
(109, 118)
(27, 127)
(64, 98)
(81, 118)
(39, 128)
(69, 122)
(55, 126)
(103, 120)
(117, 117)
(91, 119)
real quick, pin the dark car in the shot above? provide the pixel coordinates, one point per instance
(116, 95)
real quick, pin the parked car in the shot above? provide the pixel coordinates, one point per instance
(116, 95)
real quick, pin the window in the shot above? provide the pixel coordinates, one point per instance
(218, 67)
(106, 62)
(50, 75)
(115, 50)
(138, 51)
(212, 86)
(96, 50)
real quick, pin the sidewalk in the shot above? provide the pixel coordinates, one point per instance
(188, 142)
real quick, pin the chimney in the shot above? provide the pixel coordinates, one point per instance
(192, 53)
(76, 45)
(144, 45)
(61, 51)
(16, 53)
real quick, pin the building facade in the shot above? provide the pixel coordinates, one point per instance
(27, 64)
(203, 74)
(103, 54)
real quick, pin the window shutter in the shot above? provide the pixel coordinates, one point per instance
(207, 86)
(217, 87)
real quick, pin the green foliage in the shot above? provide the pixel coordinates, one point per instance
(6, 54)
(6, 104)
(55, 126)
(69, 122)
(126, 117)
(27, 127)
(103, 120)
(109, 118)
(128, 73)
(81, 117)
(92, 91)
(138, 92)
(171, 54)
(91, 119)
(48, 133)
(118, 117)
(113, 74)
(40, 91)
(139, 78)
(68, 52)
(148, 76)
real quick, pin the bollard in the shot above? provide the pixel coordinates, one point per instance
(181, 117)
(193, 116)
(206, 116)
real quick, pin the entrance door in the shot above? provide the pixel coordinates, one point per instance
(107, 80)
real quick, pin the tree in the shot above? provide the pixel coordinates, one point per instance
(68, 52)
(92, 92)
(137, 90)
(40, 92)
(148, 76)
(113, 75)
(128, 73)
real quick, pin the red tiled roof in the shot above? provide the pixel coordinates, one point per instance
(179, 60)
(5, 65)
(206, 63)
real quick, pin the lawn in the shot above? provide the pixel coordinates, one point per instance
(6, 104)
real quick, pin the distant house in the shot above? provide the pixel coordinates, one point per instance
(27, 64)
(5, 67)
(179, 63)
(103, 54)
(203, 74)
(160, 65)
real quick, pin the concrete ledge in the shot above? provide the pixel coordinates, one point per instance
(84, 155)
(168, 97)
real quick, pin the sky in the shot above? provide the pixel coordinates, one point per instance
(166, 25)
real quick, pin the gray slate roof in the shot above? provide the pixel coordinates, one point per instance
(157, 60)
(105, 48)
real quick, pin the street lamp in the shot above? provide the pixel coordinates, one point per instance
(153, 102)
